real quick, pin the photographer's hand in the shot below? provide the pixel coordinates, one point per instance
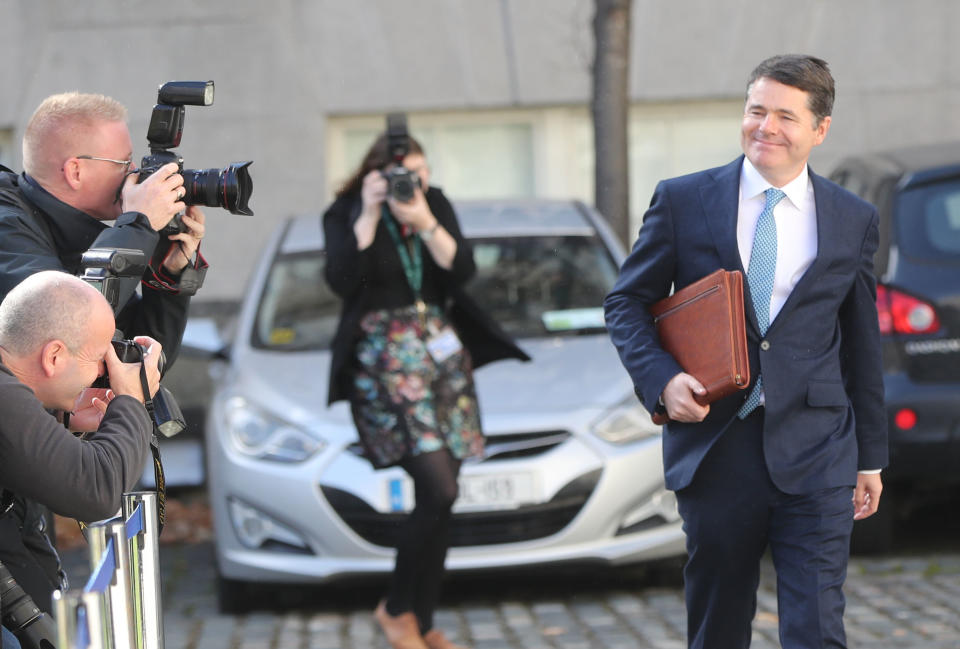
(125, 377)
(189, 240)
(416, 213)
(158, 197)
(89, 408)
(372, 195)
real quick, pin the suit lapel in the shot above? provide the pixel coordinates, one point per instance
(720, 199)
(828, 231)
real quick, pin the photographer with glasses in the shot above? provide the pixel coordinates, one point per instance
(55, 340)
(77, 159)
(78, 175)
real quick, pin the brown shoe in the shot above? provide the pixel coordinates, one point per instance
(435, 639)
(402, 630)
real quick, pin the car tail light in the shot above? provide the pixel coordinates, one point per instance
(904, 314)
(905, 419)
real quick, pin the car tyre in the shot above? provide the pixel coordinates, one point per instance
(235, 597)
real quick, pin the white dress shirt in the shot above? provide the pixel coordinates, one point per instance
(796, 218)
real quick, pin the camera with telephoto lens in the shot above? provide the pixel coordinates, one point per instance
(229, 188)
(401, 182)
(110, 271)
(21, 616)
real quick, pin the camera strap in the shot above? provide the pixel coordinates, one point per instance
(155, 450)
(191, 277)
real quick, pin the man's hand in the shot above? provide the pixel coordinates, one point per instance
(679, 401)
(158, 197)
(125, 377)
(866, 497)
(89, 408)
(181, 254)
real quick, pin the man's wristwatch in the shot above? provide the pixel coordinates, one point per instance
(427, 234)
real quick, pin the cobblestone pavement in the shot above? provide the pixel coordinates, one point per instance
(892, 603)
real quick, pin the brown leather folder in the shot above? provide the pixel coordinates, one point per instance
(703, 327)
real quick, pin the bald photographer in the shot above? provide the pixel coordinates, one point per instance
(55, 341)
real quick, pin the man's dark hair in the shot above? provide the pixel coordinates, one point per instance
(808, 73)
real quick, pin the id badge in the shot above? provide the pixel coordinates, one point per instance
(443, 344)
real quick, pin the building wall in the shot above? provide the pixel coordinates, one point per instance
(499, 88)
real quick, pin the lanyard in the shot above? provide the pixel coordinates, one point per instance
(411, 256)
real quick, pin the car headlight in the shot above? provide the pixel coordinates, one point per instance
(256, 433)
(626, 422)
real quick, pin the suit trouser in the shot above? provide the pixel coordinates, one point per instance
(732, 512)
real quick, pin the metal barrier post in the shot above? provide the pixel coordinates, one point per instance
(100, 635)
(65, 610)
(96, 613)
(120, 602)
(140, 511)
(79, 619)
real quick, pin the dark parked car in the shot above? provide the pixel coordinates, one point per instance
(917, 193)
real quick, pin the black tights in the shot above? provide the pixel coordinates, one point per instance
(424, 538)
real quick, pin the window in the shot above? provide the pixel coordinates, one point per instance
(474, 159)
(6, 147)
(928, 221)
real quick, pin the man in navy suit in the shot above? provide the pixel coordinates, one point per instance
(777, 465)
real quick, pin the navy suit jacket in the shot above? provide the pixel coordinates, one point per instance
(822, 374)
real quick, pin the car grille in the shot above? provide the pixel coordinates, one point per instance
(472, 528)
(508, 446)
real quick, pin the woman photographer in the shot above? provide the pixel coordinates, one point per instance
(403, 355)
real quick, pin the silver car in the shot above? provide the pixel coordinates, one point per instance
(572, 471)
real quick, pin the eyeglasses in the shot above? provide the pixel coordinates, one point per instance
(126, 163)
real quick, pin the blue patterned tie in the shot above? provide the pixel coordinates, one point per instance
(763, 266)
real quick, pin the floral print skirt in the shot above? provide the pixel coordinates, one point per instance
(404, 402)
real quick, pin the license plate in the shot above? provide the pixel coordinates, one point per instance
(494, 491)
(477, 492)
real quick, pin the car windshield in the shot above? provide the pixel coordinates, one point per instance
(543, 285)
(297, 311)
(530, 285)
(928, 222)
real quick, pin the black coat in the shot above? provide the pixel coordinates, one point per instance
(349, 272)
(39, 232)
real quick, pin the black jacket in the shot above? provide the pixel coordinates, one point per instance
(52, 235)
(348, 272)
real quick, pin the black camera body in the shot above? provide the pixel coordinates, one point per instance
(115, 272)
(229, 188)
(129, 351)
(401, 182)
(166, 413)
(167, 416)
(110, 271)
